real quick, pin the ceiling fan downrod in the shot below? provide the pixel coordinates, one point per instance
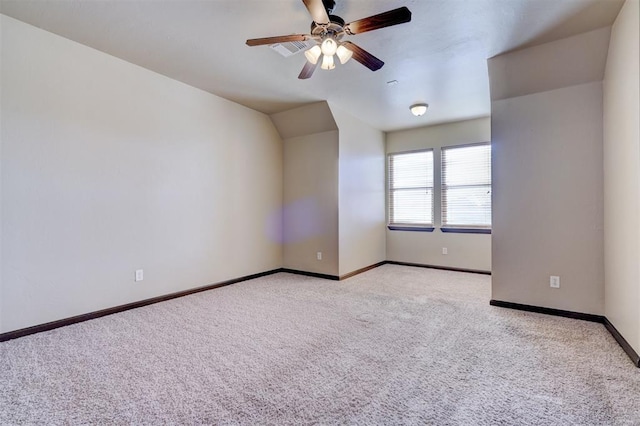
(329, 6)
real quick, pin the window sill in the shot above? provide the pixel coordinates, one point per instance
(410, 228)
(466, 230)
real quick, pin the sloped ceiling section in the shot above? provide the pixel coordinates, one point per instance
(567, 62)
(304, 120)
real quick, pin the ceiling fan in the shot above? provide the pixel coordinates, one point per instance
(327, 31)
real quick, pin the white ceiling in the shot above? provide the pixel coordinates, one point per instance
(438, 58)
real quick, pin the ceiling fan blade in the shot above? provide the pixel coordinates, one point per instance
(307, 70)
(386, 19)
(317, 11)
(364, 57)
(277, 39)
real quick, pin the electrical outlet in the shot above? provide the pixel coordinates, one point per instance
(139, 275)
(444, 250)
(319, 255)
(554, 281)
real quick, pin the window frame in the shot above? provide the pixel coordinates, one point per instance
(462, 229)
(395, 226)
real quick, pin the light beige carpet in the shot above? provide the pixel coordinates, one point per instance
(395, 345)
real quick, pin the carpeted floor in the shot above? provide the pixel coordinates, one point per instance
(395, 345)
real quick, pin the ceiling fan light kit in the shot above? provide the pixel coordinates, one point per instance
(418, 109)
(328, 30)
(313, 54)
(344, 54)
(327, 63)
(329, 47)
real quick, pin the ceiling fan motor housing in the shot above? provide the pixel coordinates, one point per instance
(335, 27)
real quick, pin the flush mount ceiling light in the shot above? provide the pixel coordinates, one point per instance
(418, 109)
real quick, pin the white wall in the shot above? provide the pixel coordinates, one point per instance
(467, 251)
(333, 190)
(310, 210)
(108, 168)
(311, 203)
(546, 126)
(361, 193)
(622, 175)
(547, 199)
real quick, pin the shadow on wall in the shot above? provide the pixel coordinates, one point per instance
(303, 222)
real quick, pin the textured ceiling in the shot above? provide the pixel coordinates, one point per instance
(438, 58)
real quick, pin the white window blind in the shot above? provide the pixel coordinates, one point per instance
(466, 186)
(411, 188)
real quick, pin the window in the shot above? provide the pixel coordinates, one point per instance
(411, 190)
(466, 188)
